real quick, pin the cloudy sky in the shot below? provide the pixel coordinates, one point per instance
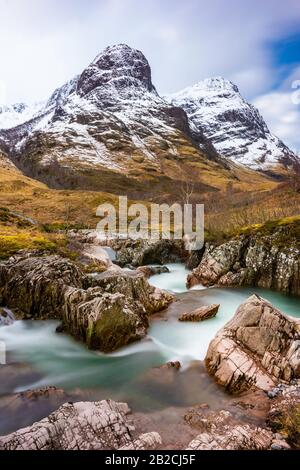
(255, 43)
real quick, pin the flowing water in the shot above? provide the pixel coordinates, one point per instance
(43, 357)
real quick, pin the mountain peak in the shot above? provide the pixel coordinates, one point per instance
(119, 66)
(235, 127)
(217, 84)
(206, 87)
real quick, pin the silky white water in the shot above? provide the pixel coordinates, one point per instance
(174, 281)
(59, 360)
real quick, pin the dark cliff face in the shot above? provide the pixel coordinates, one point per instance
(119, 66)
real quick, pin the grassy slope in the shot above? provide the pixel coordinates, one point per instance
(226, 212)
(34, 199)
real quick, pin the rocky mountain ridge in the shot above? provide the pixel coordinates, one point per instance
(234, 126)
(109, 124)
(109, 119)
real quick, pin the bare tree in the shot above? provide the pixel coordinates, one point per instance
(186, 191)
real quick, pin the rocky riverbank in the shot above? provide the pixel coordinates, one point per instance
(255, 356)
(267, 257)
(258, 348)
(106, 311)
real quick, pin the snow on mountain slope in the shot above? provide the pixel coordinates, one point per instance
(233, 126)
(16, 114)
(110, 118)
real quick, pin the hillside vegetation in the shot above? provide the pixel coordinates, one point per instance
(33, 216)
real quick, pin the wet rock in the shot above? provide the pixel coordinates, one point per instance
(114, 311)
(172, 365)
(161, 379)
(6, 317)
(258, 348)
(149, 271)
(60, 328)
(201, 313)
(106, 311)
(42, 393)
(84, 425)
(194, 258)
(36, 285)
(144, 252)
(269, 260)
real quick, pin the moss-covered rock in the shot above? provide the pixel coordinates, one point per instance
(106, 311)
(267, 257)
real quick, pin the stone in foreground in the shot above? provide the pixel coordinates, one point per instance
(258, 348)
(220, 430)
(82, 426)
(240, 437)
(200, 314)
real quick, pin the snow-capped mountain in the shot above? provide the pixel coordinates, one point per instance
(16, 114)
(109, 129)
(110, 118)
(235, 127)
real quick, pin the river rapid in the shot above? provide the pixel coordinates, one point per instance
(37, 356)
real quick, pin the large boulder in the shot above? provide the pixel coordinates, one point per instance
(259, 347)
(143, 252)
(216, 262)
(114, 312)
(84, 425)
(106, 311)
(270, 261)
(35, 285)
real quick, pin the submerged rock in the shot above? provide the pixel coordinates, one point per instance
(259, 347)
(149, 271)
(201, 313)
(84, 425)
(6, 317)
(106, 311)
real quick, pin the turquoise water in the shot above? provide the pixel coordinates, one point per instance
(174, 281)
(61, 361)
